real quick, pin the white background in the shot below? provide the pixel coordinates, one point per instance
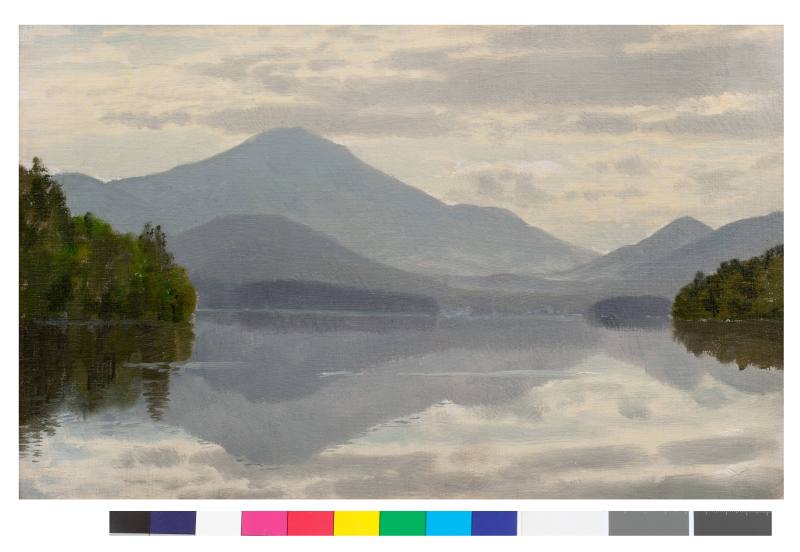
(46, 524)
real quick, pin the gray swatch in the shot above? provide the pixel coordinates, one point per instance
(648, 523)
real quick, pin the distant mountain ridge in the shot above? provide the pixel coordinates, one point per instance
(741, 239)
(658, 265)
(667, 239)
(315, 182)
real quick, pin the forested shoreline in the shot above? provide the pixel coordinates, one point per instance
(80, 268)
(738, 290)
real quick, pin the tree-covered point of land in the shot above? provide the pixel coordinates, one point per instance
(79, 268)
(738, 290)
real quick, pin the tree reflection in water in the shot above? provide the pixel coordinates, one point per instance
(85, 368)
(747, 343)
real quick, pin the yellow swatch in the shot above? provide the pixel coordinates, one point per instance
(356, 524)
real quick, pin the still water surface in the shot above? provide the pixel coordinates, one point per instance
(309, 405)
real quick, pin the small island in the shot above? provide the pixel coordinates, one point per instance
(738, 290)
(79, 268)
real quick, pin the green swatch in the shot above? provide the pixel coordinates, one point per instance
(402, 523)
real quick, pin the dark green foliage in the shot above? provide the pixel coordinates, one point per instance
(751, 289)
(79, 268)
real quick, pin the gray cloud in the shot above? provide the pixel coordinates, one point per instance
(599, 166)
(417, 59)
(508, 185)
(629, 192)
(567, 37)
(594, 194)
(771, 161)
(147, 120)
(525, 193)
(714, 182)
(581, 458)
(634, 409)
(230, 68)
(595, 78)
(717, 450)
(632, 166)
(590, 195)
(739, 124)
(327, 63)
(488, 185)
(591, 123)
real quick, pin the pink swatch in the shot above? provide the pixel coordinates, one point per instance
(263, 523)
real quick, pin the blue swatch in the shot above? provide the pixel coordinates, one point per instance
(173, 523)
(448, 524)
(494, 523)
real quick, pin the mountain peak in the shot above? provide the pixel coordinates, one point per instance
(685, 223)
(285, 134)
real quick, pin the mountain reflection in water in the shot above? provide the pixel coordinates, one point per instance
(319, 405)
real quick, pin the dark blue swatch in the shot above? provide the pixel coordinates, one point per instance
(494, 523)
(173, 523)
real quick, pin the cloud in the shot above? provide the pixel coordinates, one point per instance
(629, 192)
(525, 193)
(147, 120)
(632, 166)
(230, 68)
(591, 123)
(567, 37)
(324, 64)
(595, 194)
(593, 77)
(736, 124)
(713, 182)
(517, 185)
(417, 59)
(715, 450)
(604, 457)
(489, 186)
(771, 161)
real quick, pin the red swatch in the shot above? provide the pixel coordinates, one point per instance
(311, 524)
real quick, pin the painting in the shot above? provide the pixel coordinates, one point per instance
(429, 262)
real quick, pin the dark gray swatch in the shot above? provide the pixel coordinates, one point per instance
(733, 523)
(648, 523)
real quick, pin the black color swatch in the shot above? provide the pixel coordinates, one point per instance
(129, 522)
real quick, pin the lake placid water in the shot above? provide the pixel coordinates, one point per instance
(270, 405)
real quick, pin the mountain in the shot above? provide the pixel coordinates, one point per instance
(674, 235)
(658, 265)
(87, 194)
(742, 239)
(315, 182)
(237, 250)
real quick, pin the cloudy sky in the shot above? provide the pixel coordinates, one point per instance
(599, 135)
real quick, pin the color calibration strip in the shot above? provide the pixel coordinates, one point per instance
(441, 523)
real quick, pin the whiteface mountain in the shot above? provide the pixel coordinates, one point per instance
(315, 182)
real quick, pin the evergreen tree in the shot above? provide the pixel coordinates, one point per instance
(738, 290)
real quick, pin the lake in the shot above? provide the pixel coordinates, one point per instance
(260, 404)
